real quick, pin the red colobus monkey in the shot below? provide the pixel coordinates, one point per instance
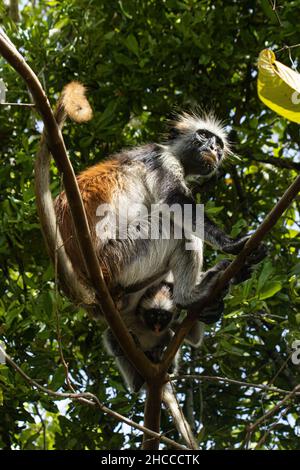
(152, 174)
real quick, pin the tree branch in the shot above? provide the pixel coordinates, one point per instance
(215, 378)
(14, 10)
(284, 163)
(152, 412)
(181, 423)
(271, 412)
(195, 313)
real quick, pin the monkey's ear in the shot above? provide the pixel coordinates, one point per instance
(173, 133)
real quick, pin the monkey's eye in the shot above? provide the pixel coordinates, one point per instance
(204, 134)
(220, 142)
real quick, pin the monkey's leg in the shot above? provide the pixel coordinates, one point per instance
(130, 375)
(214, 236)
(186, 267)
(191, 284)
(213, 312)
(196, 334)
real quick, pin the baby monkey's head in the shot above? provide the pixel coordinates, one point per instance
(157, 309)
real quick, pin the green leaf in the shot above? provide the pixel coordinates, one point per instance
(61, 23)
(211, 210)
(237, 227)
(132, 44)
(265, 274)
(269, 289)
(58, 379)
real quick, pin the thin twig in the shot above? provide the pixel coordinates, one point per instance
(90, 399)
(271, 428)
(212, 378)
(283, 365)
(285, 47)
(284, 163)
(43, 424)
(270, 413)
(273, 5)
(29, 105)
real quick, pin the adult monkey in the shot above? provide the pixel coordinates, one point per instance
(150, 174)
(195, 146)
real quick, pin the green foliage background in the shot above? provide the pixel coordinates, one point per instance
(141, 60)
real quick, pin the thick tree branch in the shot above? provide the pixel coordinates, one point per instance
(55, 142)
(264, 228)
(152, 412)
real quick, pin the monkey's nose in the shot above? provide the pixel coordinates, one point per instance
(157, 328)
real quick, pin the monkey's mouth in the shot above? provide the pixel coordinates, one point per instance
(211, 158)
(157, 329)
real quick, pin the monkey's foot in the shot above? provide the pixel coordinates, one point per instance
(213, 312)
(233, 247)
(245, 273)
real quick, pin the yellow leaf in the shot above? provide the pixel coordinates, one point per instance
(278, 86)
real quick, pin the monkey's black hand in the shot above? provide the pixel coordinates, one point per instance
(254, 258)
(213, 312)
(233, 247)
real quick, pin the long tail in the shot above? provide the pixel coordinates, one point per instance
(74, 104)
(180, 421)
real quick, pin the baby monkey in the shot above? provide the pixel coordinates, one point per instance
(153, 322)
(152, 326)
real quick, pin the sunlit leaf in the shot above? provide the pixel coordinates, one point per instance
(278, 86)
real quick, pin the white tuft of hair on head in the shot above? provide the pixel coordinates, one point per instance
(188, 123)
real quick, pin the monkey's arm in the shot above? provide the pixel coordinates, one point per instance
(213, 235)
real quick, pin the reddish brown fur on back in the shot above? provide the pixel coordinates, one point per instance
(97, 185)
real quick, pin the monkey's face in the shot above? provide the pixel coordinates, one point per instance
(157, 320)
(211, 150)
(200, 143)
(203, 153)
